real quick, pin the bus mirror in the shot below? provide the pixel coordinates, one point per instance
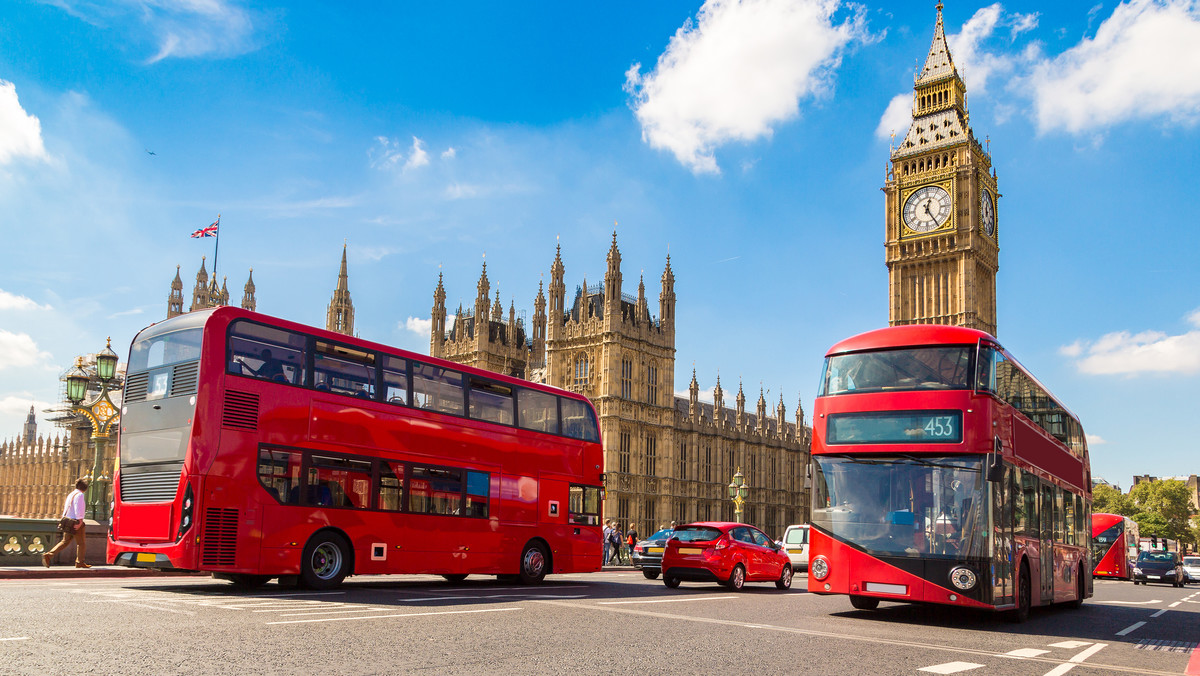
(995, 470)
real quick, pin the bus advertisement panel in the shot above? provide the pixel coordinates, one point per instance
(944, 473)
(1114, 545)
(254, 447)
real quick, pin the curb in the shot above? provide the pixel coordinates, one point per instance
(62, 572)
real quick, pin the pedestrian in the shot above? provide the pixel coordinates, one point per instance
(614, 542)
(632, 539)
(71, 527)
(607, 534)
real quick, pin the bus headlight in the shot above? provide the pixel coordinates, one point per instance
(819, 568)
(963, 578)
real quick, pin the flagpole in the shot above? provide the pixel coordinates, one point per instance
(216, 248)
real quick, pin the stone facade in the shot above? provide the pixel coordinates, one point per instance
(942, 236)
(667, 458)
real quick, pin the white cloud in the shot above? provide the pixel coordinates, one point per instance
(458, 191)
(741, 67)
(1127, 353)
(897, 118)
(19, 350)
(11, 301)
(20, 132)
(421, 327)
(449, 153)
(419, 157)
(17, 406)
(1095, 440)
(179, 28)
(1142, 63)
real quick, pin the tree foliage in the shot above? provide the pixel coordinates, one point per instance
(1163, 509)
(1107, 499)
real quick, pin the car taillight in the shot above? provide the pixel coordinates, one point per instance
(637, 548)
(721, 544)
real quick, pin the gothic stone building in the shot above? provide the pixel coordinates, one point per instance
(667, 458)
(942, 242)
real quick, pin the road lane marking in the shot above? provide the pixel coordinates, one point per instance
(1131, 628)
(1174, 604)
(15, 638)
(144, 605)
(1159, 612)
(1024, 652)
(1088, 653)
(1070, 644)
(951, 667)
(423, 599)
(384, 617)
(329, 612)
(1128, 603)
(697, 598)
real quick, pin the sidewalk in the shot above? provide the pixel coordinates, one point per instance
(70, 571)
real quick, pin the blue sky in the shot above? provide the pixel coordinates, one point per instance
(749, 139)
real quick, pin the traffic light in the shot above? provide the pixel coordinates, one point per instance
(1154, 542)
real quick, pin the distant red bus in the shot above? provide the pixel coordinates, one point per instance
(254, 447)
(1114, 545)
(944, 473)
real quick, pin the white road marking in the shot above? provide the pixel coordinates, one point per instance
(1024, 652)
(1128, 603)
(1174, 604)
(1131, 628)
(694, 598)
(951, 667)
(1089, 652)
(144, 605)
(15, 638)
(1159, 612)
(384, 617)
(329, 612)
(422, 599)
(1070, 644)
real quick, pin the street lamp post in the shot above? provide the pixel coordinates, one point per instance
(101, 412)
(738, 490)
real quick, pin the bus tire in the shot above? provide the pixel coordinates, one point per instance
(455, 578)
(325, 561)
(1079, 589)
(864, 602)
(534, 562)
(1024, 596)
(650, 574)
(737, 579)
(785, 578)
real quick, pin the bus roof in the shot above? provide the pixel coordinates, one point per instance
(909, 336)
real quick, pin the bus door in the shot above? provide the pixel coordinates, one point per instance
(1046, 546)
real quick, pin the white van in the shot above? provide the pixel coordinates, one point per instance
(795, 543)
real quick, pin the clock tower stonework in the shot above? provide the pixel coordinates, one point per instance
(942, 245)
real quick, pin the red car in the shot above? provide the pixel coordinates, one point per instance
(727, 553)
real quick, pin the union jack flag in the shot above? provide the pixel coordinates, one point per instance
(210, 231)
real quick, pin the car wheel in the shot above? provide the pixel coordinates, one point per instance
(864, 602)
(650, 574)
(1024, 596)
(737, 579)
(671, 581)
(325, 561)
(455, 578)
(533, 564)
(785, 578)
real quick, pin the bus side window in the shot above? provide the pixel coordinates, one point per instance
(266, 352)
(986, 370)
(395, 380)
(279, 473)
(437, 389)
(490, 401)
(577, 420)
(537, 411)
(391, 486)
(478, 491)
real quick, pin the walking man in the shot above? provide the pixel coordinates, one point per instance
(71, 526)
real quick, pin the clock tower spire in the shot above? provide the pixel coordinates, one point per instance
(942, 243)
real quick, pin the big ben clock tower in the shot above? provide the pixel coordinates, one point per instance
(942, 229)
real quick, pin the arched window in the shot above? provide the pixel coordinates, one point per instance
(581, 370)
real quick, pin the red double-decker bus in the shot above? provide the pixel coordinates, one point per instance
(944, 473)
(1114, 545)
(254, 447)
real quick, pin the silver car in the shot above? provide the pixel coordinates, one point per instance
(1191, 568)
(795, 543)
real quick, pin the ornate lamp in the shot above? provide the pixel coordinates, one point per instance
(77, 382)
(738, 490)
(106, 362)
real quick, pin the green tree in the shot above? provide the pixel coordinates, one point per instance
(1109, 500)
(1163, 509)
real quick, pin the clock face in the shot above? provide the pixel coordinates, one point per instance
(987, 214)
(927, 209)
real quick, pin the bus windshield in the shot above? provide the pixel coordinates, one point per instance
(903, 505)
(924, 368)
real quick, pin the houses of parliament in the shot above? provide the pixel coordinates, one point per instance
(671, 458)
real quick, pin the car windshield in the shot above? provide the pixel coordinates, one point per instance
(696, 534)
(661, 535)
(1191, 560)
(1158, 557)
(796, 536)
(903, 506)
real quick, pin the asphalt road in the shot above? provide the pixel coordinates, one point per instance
(611, 622)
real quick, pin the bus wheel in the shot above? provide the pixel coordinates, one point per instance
(650, 574)
(1024, 596)
(324, 562)
(533, 563)
(737, 579)
(863, 602)
(785, 578)
(455, 578)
